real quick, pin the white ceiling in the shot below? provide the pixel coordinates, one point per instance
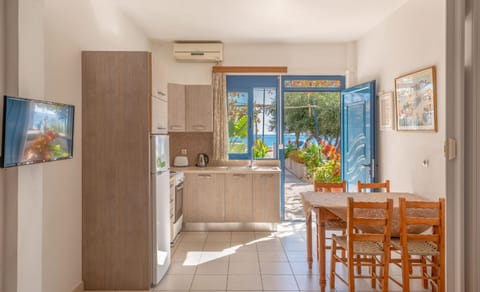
(306, 21)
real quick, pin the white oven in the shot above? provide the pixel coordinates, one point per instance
(178, 204)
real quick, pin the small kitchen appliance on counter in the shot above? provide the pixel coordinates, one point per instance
(180, 161)
(202, 160)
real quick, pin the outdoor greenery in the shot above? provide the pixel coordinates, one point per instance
(314, 113)
(322, 161)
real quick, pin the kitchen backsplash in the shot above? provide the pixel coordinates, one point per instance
(194, 143)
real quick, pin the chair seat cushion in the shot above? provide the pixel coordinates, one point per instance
(335, 225)
(360, 247)
(420, 248)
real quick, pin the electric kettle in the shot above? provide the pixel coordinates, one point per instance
(202, 160)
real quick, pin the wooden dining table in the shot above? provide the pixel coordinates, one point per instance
(333, 206)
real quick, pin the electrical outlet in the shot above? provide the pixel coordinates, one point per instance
(183, 151)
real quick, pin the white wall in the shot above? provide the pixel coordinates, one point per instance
(410, 39)
(299, 58)
(70, 27)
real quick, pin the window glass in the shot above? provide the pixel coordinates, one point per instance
(265, 123)
(237, 104)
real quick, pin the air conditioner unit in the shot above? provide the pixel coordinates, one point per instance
(198, 52)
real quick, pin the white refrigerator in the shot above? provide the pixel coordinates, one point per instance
(160, 178)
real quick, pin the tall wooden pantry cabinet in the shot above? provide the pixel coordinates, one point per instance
(116, 123)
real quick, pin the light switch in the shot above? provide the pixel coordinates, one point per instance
(183, 151)
(425, 163)
(450, 149)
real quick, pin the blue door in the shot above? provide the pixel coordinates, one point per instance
(358, 134)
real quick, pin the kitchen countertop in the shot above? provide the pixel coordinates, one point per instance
(228, 169)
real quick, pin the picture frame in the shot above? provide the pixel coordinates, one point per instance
(416, 101)
(386, 107)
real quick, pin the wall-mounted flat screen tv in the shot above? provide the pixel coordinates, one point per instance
(36, 131)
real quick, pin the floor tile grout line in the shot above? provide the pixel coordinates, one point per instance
(290, 265)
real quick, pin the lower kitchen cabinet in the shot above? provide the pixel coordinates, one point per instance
(238, 197)
(266, 192)
(204, 199)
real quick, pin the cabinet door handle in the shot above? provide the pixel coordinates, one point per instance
(176, 127)
(205, 175)
(161, 128)
(198, 127)
(267, 175)
(239, 175)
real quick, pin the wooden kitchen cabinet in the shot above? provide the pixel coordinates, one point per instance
(176, 107)
(238, 197)
(266, 193)
(159, 115)
(199, 108)
(204, 199)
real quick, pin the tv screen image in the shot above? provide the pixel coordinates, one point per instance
(36, 131)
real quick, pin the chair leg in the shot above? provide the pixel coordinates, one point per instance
(359, 267)
(424, 272)
(385, 272)
(351, 276)
(373, 273)
(333, 264)
(406, 268)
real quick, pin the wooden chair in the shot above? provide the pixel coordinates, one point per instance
(327, 187)
(374, 245)
(427, 248)
(363, 186)
(331, 225)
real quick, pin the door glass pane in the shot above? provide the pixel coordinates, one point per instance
(237, 104)
(265, 123)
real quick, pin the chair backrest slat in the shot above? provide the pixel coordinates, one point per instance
(370, 205)
(422, 221)
(368, 237)
(422, 205)
(370, 221)
(424, 237)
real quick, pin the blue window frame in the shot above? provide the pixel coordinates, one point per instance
(252, 105)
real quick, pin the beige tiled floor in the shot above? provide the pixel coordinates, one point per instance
(247, 261)
(250, 261)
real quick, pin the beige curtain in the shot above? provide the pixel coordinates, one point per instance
(220, 124)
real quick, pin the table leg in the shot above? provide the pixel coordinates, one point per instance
(321, 246)
(309, 239)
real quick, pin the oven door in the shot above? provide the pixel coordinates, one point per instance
(178, 201)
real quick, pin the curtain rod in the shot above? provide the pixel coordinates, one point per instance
(249, 69)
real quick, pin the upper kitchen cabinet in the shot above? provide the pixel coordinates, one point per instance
(176, 108)
(159, 107)
(190, 108)
(157, 88)
(159, 115)
(199, 108)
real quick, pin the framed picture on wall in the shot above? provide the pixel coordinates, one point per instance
(416, 103)
(386, 111)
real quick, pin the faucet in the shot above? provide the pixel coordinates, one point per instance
(252, 161)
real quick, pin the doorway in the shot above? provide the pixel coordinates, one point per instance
(311, 136)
